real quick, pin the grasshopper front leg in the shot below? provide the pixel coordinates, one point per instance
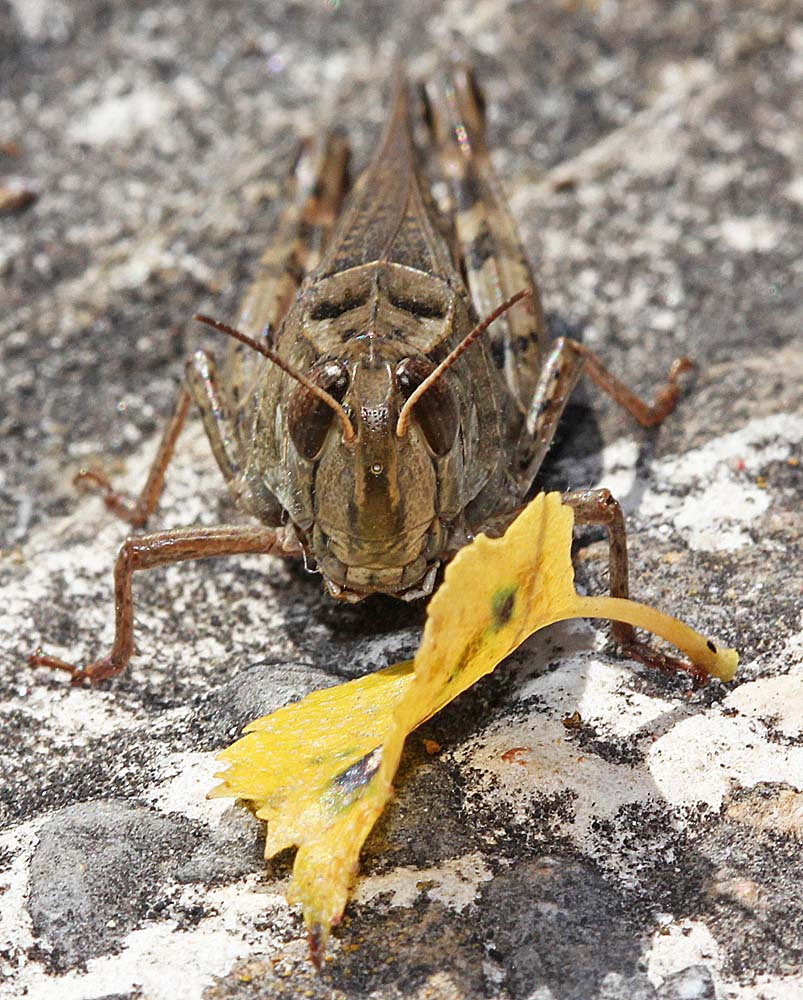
(160, 549)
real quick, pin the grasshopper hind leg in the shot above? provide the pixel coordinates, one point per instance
(312, 195)
(314, 191)
(487, 242)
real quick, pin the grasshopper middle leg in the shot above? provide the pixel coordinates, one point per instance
(566, 362)
(201, 387)
(137, 510)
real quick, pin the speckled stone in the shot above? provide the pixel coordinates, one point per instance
(652, 152)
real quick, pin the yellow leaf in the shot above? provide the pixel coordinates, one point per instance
(320, 771)
(310, 770)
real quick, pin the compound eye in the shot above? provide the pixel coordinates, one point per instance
(436, 411)
(308, 417)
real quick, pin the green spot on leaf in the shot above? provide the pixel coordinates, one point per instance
(502, 604)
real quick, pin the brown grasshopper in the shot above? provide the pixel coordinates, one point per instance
(360, 416)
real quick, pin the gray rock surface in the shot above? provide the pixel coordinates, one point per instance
(95, 875)
(652, 152)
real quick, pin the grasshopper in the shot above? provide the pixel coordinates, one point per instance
(390, 390)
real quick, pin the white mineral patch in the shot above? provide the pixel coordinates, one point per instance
(164, 963)
(151, 255)
(750, 234)
(660, 154)
(718, 175)
(678, 946)
(642, 142)
(559, 244)
(697, 760)
(188, 777)
(776, 699)
(475, 17)
(122, 119)
(743, 503)
(146, 258)
(75, 716)
(454, 883)
(618, 462)
(43, 20)
(724, 499)
(605, 682)
(160, 960)
(760, 441)
(702, 758)
(590, 686)
(191, 91)
(525, 760)
(766, 988)
(81, 549)
(15, 923)
(193, 480)
(794, 190)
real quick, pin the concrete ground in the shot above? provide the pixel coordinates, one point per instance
(650, 151)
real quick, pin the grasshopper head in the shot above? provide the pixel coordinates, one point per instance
(376, 527)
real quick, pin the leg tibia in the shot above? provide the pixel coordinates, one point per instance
(600, 507)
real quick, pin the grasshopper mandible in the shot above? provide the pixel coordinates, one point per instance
(363, 415)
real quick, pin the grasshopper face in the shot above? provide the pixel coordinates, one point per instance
(376, 524)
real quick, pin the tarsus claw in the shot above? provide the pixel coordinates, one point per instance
(644, 653)
(97, 671)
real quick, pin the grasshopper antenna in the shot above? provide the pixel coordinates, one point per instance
(309, 385)
(453, 355)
